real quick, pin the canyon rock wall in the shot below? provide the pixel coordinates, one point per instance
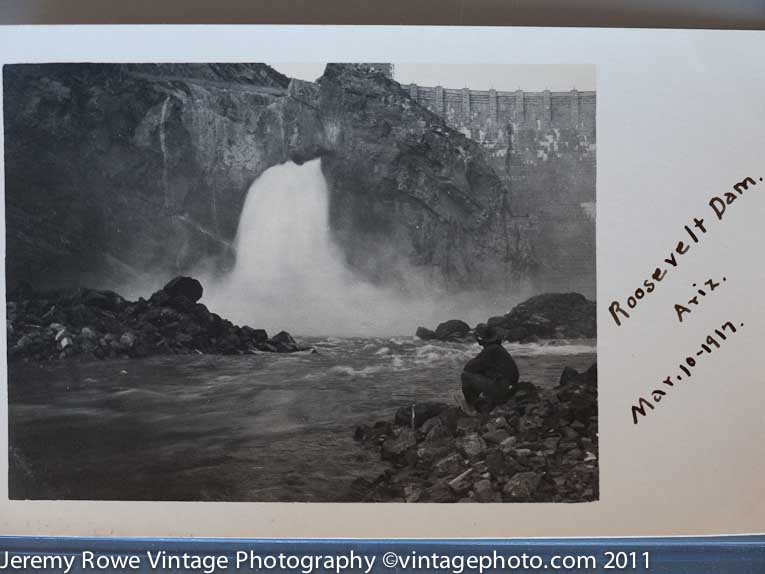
(115, 173)
(408, 190)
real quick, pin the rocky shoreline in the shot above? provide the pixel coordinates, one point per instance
(546, 316)
(541, 446)
(91, 323)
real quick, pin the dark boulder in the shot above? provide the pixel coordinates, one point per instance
(425, 334)
(254, 335)
(182, 286)
(580, 392)
(550, 315)
(573, 378)
(452, 330)
(283, 343)
(568, 375)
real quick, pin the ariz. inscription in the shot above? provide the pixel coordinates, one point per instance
(710, 285)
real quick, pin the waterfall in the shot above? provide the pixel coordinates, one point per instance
(163, 148)
(289, 273)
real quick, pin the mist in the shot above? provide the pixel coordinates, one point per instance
(290, 274)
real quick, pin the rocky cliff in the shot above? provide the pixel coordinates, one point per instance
(114, 172)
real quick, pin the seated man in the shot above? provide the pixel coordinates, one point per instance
(492, 373)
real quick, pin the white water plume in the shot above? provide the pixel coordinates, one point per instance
(289, 274)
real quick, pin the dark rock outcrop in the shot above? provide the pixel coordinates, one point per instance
(579, 391)
(101, 324)
(187, 287)
(117, 171)
(403, 182)
(283, 342)
(425, 334)
(546, 316)
(451, 330)
(541, 446)
(549, 316)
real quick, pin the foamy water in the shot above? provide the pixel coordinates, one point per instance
(399, 354)
(254, 427)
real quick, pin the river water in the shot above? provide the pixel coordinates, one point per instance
(263, 427)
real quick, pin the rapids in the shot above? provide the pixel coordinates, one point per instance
(265, 427)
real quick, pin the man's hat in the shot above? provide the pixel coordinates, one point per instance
(487, 334)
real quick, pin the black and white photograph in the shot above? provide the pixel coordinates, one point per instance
(301, 282)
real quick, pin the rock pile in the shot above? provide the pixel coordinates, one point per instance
(451, 330)
(549, 316)
(102, 324)
(546, 316)
(541, 446)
